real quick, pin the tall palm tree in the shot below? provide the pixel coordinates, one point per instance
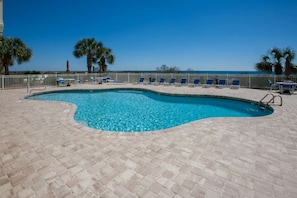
(12, 49)
(289, 54)
(104, 55)
(87, 47)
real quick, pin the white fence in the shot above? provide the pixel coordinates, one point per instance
(41, 80)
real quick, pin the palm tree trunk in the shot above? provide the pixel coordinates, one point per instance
(278, 69)
(6, 68)
(6, 62)
(89, 62)
(287, 67)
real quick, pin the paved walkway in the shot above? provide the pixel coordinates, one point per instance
(45, 153)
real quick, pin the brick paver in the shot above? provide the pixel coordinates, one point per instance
(45, 153)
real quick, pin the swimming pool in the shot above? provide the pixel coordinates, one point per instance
(132, 110)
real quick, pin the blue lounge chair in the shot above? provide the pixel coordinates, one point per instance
(171, 82)
(195, 82)
(104, 79)
(141, 80)
(183, 82)
(208, 83)
(287, 87)
(107, 79)
(151, 81)
(235, 84)
(161, 81)
(60, 81)
(221, 84)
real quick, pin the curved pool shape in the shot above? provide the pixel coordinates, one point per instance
(130, 110)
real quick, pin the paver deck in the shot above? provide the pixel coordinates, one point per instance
(45, 153)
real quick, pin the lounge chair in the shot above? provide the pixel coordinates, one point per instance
(171, 82)
(107, 79)
(161, 81)
(235, 84)
(273, 86)
(208, 83)
(221, 84)
(60, 81)
(151, 81)
(183, 82)
(287, 87)
(92, 79)
(195, 82)
(141, 80)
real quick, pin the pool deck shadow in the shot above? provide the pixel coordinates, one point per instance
(45, 153)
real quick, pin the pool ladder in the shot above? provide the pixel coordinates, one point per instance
(273, 96)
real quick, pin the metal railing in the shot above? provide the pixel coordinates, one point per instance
(271, 100)
(41, 80)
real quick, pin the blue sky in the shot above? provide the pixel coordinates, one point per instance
(201, 35)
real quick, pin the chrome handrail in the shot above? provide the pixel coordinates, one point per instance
(271, 100)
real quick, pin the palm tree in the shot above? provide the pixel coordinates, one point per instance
(275, 59)
(265, 65)
(104, 55)
(289, 54)
(87, 47)
(94, 51)
(13, 49)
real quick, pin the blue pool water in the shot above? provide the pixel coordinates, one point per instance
(139, 111)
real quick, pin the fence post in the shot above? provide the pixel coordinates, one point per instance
(28, 83)
(2, 84)
(56, 78)
(249, 81)
(274, 78)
